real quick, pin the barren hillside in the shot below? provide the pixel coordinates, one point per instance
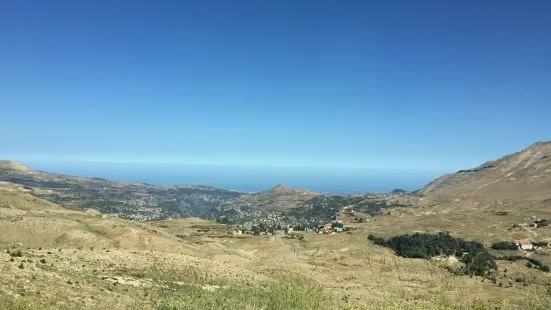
(280, 197)
(523, 175)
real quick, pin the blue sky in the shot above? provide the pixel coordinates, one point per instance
(413, 85)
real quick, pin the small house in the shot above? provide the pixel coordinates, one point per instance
(524, 245)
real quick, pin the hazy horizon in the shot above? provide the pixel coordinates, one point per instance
(246, 178)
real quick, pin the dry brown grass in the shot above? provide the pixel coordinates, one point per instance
(92, 262)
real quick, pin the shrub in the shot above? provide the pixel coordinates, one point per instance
(512, 258)
(16, 253)
(504, 245)
(543, 223)
(534, 261)
(544, 268)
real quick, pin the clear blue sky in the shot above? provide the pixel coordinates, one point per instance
(425, 85)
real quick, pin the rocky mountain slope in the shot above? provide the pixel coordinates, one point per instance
(135, 201)
(523, 175)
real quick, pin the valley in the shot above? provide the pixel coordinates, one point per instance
(218, 249)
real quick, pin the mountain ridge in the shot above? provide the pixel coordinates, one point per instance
(9, 164)
(130, 200)
(523, 174)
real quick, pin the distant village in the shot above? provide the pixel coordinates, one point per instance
(331, 228)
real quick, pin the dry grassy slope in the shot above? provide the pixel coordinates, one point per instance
(280, 197)
(85, 247)
(37, 222)
(84, 252)
(521, 176)
(8, 164)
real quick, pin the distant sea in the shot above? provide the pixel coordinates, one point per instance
(248, 178)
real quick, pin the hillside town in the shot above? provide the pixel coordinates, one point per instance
(331, 228)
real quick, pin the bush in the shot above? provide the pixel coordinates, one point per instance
(16, 253)
(512, 258)
(534, 261)
(504, 245)
(543, 223)
(541, 243)
(544, 268)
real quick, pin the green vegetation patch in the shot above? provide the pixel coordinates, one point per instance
(475, 256)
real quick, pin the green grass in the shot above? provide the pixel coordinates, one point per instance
(298, 295)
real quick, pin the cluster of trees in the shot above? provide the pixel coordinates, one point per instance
(475, 256)
(531, 262)
(511, 258)
(536, 264)
(224, 220)
(478, 261)
(504, 245)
